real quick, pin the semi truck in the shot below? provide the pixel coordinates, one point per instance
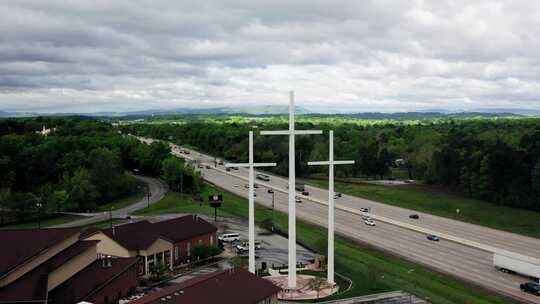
(512, 262)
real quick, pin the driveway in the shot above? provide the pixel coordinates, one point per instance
(158, 189)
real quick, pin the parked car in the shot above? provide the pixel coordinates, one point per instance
(270, 190)
(434, 238)
(229, 237)
(228, 169)
(531, 287)
(246, 245)
(369, 222)
(208, 167)
(201, 166)
(414, 216)
(220, 163)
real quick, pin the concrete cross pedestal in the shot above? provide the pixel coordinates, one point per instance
(331, 205)
(292, 183)
(251, 165)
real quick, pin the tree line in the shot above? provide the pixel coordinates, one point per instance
(82, 164)
(494, 159)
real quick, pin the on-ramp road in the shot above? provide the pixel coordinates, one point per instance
(466, 262)
(157, 189)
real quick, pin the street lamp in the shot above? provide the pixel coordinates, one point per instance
(39, 205)
(110, 216)
(273, 201)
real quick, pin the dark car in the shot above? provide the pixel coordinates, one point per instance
(270, 191)
(414, 216)
(434, 238)
(306, 193)
(228, 169)
(531, 287)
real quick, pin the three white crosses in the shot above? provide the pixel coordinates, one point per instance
(292, 202)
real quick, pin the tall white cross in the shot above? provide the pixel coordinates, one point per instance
(292, 184)
(331, 162)
(251, 165)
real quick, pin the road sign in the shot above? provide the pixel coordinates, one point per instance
(215, 205)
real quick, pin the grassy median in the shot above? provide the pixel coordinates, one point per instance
(370, 270)
(478, 212)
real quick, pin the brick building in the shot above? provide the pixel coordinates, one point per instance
(169, 242)
(55, 266)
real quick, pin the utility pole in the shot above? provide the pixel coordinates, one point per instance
(291, 133)
(331, 163)
(251, 165)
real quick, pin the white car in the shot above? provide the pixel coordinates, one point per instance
(364, 209)
(229, 237)
(369, 222)
(366, 217)
(297, 199)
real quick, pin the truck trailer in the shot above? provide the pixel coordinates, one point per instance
(512, 262)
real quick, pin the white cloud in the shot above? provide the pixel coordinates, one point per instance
(387, 56)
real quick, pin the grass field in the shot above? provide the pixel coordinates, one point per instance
(443, 204)
(371, 270)
(49, 222)
(123, 202)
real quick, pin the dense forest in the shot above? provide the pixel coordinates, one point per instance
(494, 159)
(80, 165)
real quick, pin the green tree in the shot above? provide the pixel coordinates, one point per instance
(59, 201)
(81, 191)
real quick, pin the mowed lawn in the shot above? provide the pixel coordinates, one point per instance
(443, 204)
(48, 222)
(371, 270)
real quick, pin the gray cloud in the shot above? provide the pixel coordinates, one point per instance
(356, 55)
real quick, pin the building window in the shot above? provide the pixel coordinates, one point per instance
(176, 252)
(188, 248)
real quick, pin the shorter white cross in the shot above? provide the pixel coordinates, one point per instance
(331, 162)
(251, 165)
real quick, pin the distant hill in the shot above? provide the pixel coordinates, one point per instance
(280, 110)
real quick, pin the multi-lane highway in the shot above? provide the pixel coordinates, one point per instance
(464, 250)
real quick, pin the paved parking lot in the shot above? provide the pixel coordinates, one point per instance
(274, 246)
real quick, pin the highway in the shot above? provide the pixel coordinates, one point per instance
(397, 234)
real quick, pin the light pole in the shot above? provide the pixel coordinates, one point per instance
(39, 205)
(110, 216)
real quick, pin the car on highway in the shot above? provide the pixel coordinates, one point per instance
(201, 166)
(208, 167)
(414, 216)
(220, 163)
(228, 169)
(366, 217)
(434, 238)
(306, 193)
(337, 195)
(297, 199)
(234, 168)
(270, 190)
(531, 287)
(229, 237)
(263, 177)
(369, 222)
(364, 209)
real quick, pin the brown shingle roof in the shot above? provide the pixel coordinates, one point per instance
(183, 228)
(33, 285)
(25, 244)
(227, 286)
(90, 280)
(140, 235)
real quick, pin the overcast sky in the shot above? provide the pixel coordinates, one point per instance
(90, 56)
